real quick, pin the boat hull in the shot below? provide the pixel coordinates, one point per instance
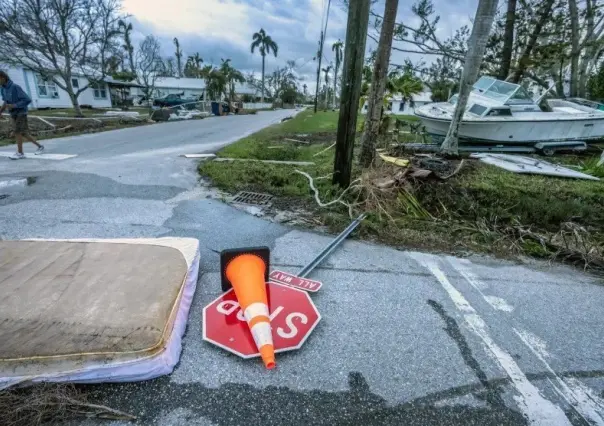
(520, 131)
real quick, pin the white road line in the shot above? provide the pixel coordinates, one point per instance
(461, 266)
(41, 156)
(581, 397)
(535, 407)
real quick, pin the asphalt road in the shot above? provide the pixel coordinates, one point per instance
(405, 338)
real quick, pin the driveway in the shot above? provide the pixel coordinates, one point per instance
(406, 338)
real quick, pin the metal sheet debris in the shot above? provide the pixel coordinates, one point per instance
(528, 165)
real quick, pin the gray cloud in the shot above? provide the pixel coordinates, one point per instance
(293, 25)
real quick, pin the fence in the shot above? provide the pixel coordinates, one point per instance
(256, 105)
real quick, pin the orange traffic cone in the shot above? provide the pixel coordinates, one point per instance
(246, 273)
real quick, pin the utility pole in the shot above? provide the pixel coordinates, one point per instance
(319, 71)
(354, 59)
(321, 43)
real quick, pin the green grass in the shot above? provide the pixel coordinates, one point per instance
(471, 211)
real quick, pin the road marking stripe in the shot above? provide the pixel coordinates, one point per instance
(537, 409)
(495, 302)
(587, 404)
(41, 156)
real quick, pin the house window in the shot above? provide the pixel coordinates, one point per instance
(100, 91)
(46, 87)
(389, 107)
(401, 106)
(75, 83)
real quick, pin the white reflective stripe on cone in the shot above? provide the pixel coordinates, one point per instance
(254, 310)
(262, 335)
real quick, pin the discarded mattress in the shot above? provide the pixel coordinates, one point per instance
(89, 311)
(528, 165)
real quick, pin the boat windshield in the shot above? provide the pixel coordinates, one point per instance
(484, 83)
(501, 90)
(453, 99)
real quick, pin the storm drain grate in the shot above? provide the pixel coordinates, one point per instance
(255, 198)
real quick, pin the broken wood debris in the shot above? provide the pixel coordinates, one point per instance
(297, 141)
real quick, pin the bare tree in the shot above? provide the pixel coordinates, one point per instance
(60, 39)
(378, 84)
(483, 21)
(148, 64)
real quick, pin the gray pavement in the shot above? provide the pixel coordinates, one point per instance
(405, 338)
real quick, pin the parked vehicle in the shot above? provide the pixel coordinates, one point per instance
(170, 100)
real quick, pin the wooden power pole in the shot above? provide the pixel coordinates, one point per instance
(354, 59)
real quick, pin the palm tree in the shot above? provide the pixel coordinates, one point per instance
(483, 22)
(337, 48)
(232, 77)
(126, 28)
(327, 71)
(406, 85)
(265, 45)
(178, 56)
(215, 82)
(193, 66)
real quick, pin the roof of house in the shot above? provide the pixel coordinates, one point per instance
(180, 83)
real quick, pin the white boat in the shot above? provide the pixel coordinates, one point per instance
(504, 113)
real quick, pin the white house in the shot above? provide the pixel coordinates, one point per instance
(46, 94)
(192, 88)
(398, 106)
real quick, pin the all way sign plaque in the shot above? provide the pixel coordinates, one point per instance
(294, 281)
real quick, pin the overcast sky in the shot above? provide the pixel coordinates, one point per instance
(223, 28)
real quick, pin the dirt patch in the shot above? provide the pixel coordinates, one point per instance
(310, 138)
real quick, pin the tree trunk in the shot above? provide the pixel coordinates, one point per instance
(378, 85)
(483, 22)
(335, 84)
(352, 78)
(525, 58)
(262, 94)
(575, 51)
(508, 41)
(326, 95)
(131, 58)
(76, 104)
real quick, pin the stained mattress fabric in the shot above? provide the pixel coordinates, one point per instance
(94, 310)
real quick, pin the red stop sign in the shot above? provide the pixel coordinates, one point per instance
(292, 312)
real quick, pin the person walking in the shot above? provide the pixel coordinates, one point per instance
(16, 102)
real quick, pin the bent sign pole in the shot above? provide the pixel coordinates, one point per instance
(300, 281)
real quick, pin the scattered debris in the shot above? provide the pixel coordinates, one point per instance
(394, 160)
(528, 165)
(287, 118)
(45, 403)
(293, 163)
(122, 113)
(161, 115)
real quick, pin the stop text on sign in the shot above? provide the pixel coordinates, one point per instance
(227, 307)
(294, 281)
